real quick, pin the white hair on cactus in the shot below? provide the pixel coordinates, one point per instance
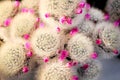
(96, 14)
(109, 35)
(80, 47)
(22, 23)
(58, 9)
(33, 4)
(45, 41)
(12, 58)
(55, 71)
(113, 9)
(87, 27)
(6, 9)
(92, 72)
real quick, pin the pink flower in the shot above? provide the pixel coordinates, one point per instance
(69, 64)
(94, 55)
(74, 77)
(25, 69)
(106, 17)
(74, 63)
(29, 54)
(78, 10)
(63, 19)
(87, 16)
(47, 15)
(81, 4)
(26, 36)
(46, 59)
(98, 41)
(69, 20)
(7, 22)
(27, 45)
(31, 11)
(115, 51)
(85, 66)
(74, 31)
(38, 19)
(41, 25)
(24, 10)
(63, 55)
(17, 3)
(58, 29)
(117, 23)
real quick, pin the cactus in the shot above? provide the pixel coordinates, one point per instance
(55, 70)
(92, 72)
(87, 27)
(80, 47)
(59, 41)
(22, 23)
(6, 10)
(32, 5)
(112, 8)
(45, 41)
(14, 62)
(12, 58)
(58, 10)
(96, 15)
(108, 34)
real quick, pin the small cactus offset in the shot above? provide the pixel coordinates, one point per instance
(55, 39)
(90, 70)
(80, 47)
(107, 39)
(96, 15)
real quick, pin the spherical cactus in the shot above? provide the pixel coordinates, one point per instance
(113, 9)
(106, 37)
(13, 58)
(66, 14)
(96, 15)
(56, 71)
(90, 70)
(32, 5)
(22, 24)
(45, 41)
(6, 10)
(87, 27)
(80, 47)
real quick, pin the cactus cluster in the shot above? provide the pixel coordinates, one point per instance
(55, 40)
